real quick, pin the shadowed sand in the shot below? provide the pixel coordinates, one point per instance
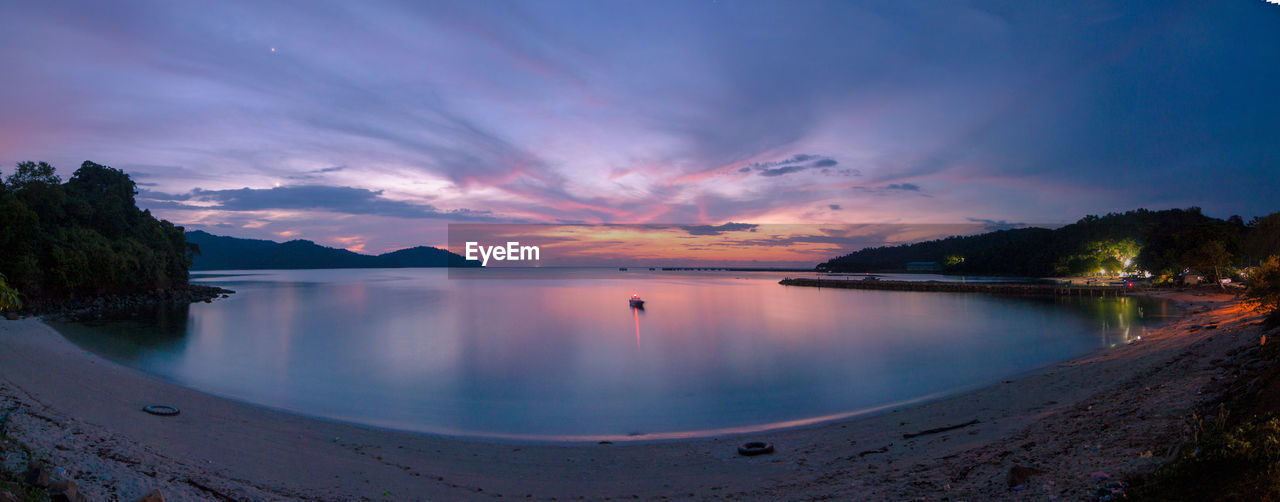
(1116, 412)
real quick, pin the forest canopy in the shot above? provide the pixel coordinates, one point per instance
(1163, 243)
(84, 237)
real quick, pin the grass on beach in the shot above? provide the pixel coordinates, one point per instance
(1234, 449)
(14, 482)
(1225, 463)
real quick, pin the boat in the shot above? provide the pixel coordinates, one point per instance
(636, 301)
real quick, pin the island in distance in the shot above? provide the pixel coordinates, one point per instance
(218, 252)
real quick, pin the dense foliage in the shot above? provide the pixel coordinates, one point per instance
(8, 296)
(84, 237)
(231, 253)
(1264, 289)
(1164, 243)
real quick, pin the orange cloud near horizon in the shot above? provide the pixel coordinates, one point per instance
(730, 244)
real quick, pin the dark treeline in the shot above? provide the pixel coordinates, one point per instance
(1163, 243)
(85, 237)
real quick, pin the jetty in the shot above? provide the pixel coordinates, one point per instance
(997, 288)
(735, 269)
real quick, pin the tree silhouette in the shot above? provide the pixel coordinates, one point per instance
(85, 236)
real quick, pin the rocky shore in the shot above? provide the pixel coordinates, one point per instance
(97, 307)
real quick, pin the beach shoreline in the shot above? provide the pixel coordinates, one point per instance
(1058, 427)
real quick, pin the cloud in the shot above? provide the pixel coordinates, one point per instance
(893, 188)
(528, 108)
(334, 199)
(796, 163)
(719, 229)
(993, 225)
(849, 237)
(834, 207)
(314, 173)
(779, 171)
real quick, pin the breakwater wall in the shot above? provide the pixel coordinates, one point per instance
(998, 288)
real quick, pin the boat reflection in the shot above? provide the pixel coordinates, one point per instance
(635, 312)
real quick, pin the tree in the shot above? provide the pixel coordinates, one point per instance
(1111, 257)
(8, 296)
(1124, 251)
(29, 173)
(1209, 256)
(108, 194)
(1155, 241)
(1264, 289)
(1111, 266)
(85, 237)
(1262, 238)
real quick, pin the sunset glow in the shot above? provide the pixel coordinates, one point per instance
(572, 112)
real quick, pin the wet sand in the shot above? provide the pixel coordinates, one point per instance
(1062, 431)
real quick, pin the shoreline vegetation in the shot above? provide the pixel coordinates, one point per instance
(1103, 425)
(999, 288)
(85, 238)
(1165, 244)
(83, 247)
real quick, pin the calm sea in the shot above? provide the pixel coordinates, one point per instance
(555, 354)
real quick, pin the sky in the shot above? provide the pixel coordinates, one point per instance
(372, 126)
(791, 245)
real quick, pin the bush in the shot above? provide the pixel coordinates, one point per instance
(8, 296)
(1264, 289)
(1222, 463)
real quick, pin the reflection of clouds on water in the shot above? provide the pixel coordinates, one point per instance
(551, 354)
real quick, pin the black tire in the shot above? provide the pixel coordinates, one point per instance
(163, 410)
(753, 448)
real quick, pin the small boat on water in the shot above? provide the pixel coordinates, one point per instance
(636, 301)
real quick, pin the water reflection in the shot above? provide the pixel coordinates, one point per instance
(635, 311)
(126, 335)
(411, 349)
(1122, 320)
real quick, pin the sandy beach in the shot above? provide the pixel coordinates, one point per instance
(1063, 431)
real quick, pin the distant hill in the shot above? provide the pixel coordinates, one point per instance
(219, 252)
(1162, 242)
